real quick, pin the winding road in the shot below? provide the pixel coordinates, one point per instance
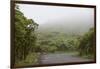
(61, 58)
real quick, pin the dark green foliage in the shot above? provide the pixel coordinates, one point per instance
(30, 44)
(51, 42)
(24, 35)
(87, 44)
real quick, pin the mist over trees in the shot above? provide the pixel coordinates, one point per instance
(33, 39)
(66, 26)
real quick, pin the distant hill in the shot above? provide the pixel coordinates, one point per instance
(68, 27)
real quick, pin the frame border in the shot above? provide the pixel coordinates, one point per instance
(12, 28)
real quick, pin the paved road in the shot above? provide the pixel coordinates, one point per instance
(60, 58)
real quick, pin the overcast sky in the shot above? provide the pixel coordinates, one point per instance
(43, 14)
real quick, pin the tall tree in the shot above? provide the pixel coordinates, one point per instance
(87, 43)
(24, 35)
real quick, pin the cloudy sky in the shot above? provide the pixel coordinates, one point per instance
(43, 14)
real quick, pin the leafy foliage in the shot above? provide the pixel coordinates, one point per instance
(30, 44)
(51, 42)
(87, 44)
(24, 35)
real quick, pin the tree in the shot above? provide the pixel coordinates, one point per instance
(24, 35)
(87, 43)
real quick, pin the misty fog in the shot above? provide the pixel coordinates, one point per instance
(60, 19)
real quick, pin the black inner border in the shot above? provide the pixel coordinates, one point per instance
(12, 28)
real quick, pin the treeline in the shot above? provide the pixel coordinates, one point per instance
(87, 44)
(29, 44)
(53, 42)
(25, 36)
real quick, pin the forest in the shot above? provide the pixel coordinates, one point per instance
(30, 42)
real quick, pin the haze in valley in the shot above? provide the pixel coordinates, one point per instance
(60, 19)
